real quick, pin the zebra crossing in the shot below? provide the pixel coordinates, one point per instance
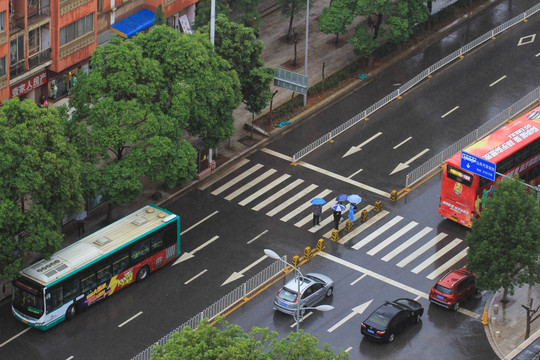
(405, 243)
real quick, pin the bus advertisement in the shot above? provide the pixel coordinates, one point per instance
(514, 148)
(95, 267)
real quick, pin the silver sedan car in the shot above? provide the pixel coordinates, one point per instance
(313, 288)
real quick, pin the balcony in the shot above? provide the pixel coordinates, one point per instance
(38, 17)
(77, 44)
(16, 24)
(70, 5)
(39, 58)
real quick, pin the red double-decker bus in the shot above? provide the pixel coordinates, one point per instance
(514, 148)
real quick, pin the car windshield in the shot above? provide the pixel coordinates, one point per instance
(443, 289)
(378, 319)
(287, 295)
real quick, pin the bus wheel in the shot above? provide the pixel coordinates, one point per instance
(143, 273)
(71, 311)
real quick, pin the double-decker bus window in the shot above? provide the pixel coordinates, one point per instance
(88, 283)
(103, 274)
(120, 265)
(71, 288)
(54, 298)
(459, 175)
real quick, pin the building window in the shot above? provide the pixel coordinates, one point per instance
(33, 41)
(16, 50)
(77, 29)
(3, 66)
(2, 21)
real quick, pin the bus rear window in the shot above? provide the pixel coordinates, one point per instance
(459, 175)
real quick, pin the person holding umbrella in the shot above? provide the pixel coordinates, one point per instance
(317, 210)
(338, 208)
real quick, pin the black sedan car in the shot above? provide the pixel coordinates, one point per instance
(391, 318)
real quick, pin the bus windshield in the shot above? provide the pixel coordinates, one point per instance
(27, 299)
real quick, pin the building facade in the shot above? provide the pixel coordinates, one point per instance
(45, 43)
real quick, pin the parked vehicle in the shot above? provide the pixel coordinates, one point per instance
(313, 288)
(391, 318)
(452, 288)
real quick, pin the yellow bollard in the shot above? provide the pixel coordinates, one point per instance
(320, 244)
(307, 253)
(377, 206)
(485, 317)
(393, 195)
(348, 225)
(364, 215)
(295, 261)
(335, 235)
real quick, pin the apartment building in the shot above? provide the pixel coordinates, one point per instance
(44, 44)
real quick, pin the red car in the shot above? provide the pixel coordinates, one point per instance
(454, 287)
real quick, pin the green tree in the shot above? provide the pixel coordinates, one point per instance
(230, 342)
(202, 14)
(160, 16)
(505, 241)
(39, 173)
(291, 8)
(335, 18)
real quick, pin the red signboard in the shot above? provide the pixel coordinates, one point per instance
(28, 85)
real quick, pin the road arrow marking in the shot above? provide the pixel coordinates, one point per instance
(402, 166)
(354, 149)
(357, 310)
(200, 222)
(188, 255)
(237, 275)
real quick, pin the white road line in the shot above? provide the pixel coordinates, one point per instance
(376, 233)
(256, 237)
(291, 200)
(71, 357)
(188, 255)
(362, 227)
(196, 276)
(264, 190)
(348, 349)
(437, 255)
(205, 244)
(357, 280)
(421, 250)
(302, 318)
(373, 274)
(403, 142)
(447, 265)
(275, 196)
(357, 172)
(203, 220)
(223, 174)
(402, 166)
(392, 238)
(329, 173)
(250, 184)
(240, 177)
(496, 81)
(15, 336)
(305, 206)
(131, 318)
(451, 111)
(341, 226)
(469, 313)
(355, 149)
(406, 244)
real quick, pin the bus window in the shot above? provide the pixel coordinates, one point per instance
(88, 283)
(71, 288)
(104, 274)
(156, 243)
(140, 250)
(120, 265)
(54, 298)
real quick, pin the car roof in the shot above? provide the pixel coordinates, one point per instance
(292, 285)
(453, 276)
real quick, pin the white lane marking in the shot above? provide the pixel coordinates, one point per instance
(437, 255)
(302, 318)
(469, 313)
(348, 349)
(537, 55)
(250, 184)
(373, 275)
(223, 174)
(448, 264)
(496, 81)
(275, 196)
(362, 227)
(402, 166)
(451, 111)
(15, 336)
(130, 319)
(406, 244)
(403, 142)
(357, 280)
(376, 233)
(188, 255)
(71, 357)
(237, 275)
(344, 223)
(421, 250)
(265, 189)
(392, 238)
(240, 177)
(304, 206)
(196, 224)
(196, 276)
(329, 173)
(256, 237)
(356, 310)
(357, 172)
(291, 200)
(354, 149)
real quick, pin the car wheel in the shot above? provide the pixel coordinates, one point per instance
(391, 337)
(71, 312)
(143, 273)
(329, 292)
(456, 306)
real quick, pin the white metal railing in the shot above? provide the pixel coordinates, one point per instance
(411, 83)
(221, 305)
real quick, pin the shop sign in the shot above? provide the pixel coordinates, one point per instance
(28, 85)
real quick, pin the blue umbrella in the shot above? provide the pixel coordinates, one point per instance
(341, 197)
(338, 207)
(354, 199)
(318, 201)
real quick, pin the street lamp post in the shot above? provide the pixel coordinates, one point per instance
(272, 254)
(306, 52)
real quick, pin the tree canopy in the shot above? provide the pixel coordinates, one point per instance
(505, 241)
(230, 342)
(39, 173)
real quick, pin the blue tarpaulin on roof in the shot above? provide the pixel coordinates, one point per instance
(134, 24)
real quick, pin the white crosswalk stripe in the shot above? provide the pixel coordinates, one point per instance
(264, 190)
(250, 184)
(237, 179)
(422, 249)
(277, 195)
(435, 256)
(447, 265)
(406, 244)
(291, 200)
(392, 238)
(376, 233)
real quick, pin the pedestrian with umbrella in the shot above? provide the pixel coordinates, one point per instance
(317, 210)
(338, 208)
